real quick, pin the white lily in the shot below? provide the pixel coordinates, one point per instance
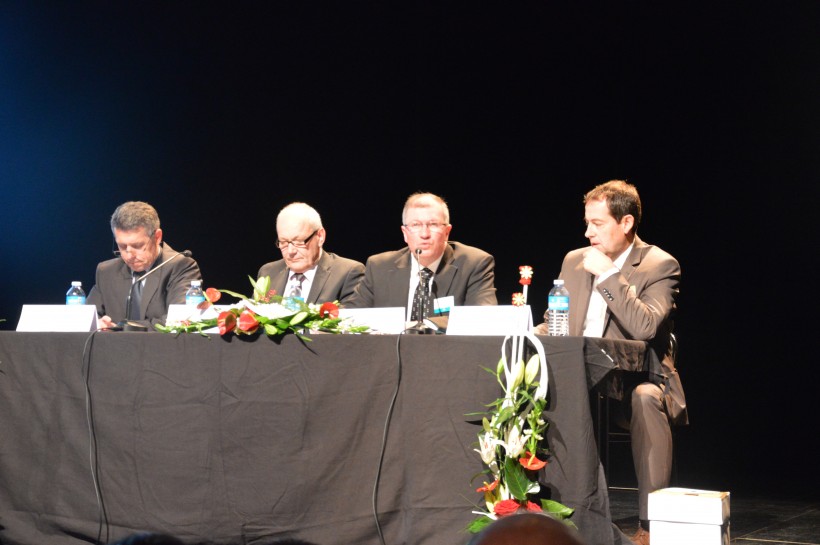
(487, 444)
(515, 441)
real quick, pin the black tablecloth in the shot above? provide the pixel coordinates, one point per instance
(243, 440)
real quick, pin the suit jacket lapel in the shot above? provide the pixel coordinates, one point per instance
(398, 279)
(320, 278)
(151, 286)
(445, 275)
(279, 280)
(632, 261)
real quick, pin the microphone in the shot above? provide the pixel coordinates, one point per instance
(134, 326)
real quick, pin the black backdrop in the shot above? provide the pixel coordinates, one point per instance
(220, 114)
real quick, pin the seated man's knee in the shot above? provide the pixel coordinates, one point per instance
(646, 396)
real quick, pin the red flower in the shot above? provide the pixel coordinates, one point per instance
(526, 275)
(529, 461)
(247, 322)
(533, 507)
(518, 299)
(329, 309)
(226, 322)
(269, 295)
(506, 507)
(213, 295)
(488, 487)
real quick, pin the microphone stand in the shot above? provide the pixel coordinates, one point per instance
(128, 325)
(419, 328)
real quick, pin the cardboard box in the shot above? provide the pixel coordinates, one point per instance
(685, 533)
(689, 505)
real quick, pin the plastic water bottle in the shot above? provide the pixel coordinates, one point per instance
(194, 295)
(558, 309)
(75, 295)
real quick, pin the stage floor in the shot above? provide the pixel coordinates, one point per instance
(754, 520)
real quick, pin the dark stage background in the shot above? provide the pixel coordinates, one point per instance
(220, 114)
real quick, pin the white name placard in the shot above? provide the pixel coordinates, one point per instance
(79, 318)
(490, 320)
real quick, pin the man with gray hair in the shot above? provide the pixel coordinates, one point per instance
(120, 287)
(454, 273)
(306, 270)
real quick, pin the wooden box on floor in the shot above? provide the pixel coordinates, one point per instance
(679, 516)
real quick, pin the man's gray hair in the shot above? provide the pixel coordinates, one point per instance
(132, 215)
(425, 200)
(302, 213)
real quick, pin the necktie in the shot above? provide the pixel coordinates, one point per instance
(296, 290)
(136, 299)
(421, 299)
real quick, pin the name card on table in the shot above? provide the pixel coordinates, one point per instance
(62, 318)
(386, 320)
(490, 320)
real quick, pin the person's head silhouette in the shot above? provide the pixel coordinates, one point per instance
(527, 529)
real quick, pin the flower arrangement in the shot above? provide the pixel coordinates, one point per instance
(511, 442)
(520, 298)
(265, 311)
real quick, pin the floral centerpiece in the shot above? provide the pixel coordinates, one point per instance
(264, 311)
(511, 442)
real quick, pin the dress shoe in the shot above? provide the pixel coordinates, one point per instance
(641, 537)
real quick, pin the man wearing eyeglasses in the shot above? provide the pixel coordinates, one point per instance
(140, 248)
(456, 274)
(307, 271)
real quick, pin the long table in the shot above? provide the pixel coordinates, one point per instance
(242, 440)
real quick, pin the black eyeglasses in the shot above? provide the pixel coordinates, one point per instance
(283, 244)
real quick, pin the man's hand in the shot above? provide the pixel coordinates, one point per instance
(105, 322)
(596, 262)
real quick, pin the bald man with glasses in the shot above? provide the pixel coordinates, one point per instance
(306, 270)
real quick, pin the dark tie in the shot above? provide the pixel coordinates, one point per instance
(296, 290)
(136, 299)
(421, 299)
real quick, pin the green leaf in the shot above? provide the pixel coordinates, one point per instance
(476, 525)
(558, 510)
(299, 317)
(234, 294)
(517, 481)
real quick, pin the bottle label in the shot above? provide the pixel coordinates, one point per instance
(558, 302)
(194, 300)
(74, 300)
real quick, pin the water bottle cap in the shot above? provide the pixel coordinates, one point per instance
(196, 283)
(76, 283)
(558, 282)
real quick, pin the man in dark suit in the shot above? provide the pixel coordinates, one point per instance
(457, 271)
(622, 288)
(306, 270)
(138, 236)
